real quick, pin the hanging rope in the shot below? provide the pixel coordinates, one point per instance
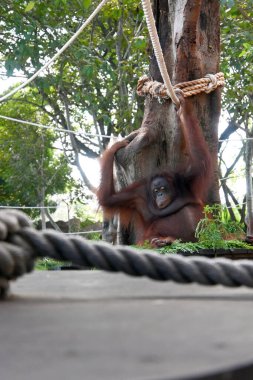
(166, 90)
(21, 244)
(48, 63)
(158, 90)
(158, 50)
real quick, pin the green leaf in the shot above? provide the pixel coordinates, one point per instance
(140, 42)
(243, 53)
(86, 3)
(29, 6)
(88, 71)
(247, 45)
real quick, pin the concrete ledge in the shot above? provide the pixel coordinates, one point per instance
(93, 325)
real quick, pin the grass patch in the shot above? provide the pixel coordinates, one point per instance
(49, 264)
(178, 246)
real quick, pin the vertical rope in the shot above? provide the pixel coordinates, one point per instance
(158, 50)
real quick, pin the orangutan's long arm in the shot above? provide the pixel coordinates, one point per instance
(199, 167)
(107, 196)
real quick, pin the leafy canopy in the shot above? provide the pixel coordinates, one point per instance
(31, 170)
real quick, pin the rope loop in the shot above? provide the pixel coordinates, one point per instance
(156, 89)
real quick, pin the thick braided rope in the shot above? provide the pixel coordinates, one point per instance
(14, 261)
(158, 90)
(21, 245)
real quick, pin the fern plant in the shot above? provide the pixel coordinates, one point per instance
(214, 230)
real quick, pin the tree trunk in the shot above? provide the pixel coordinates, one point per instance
(189, 37)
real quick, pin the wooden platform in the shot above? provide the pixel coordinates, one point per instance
(91, 325)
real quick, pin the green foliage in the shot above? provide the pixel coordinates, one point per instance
(85, 214)
(86, 3)
(237, 244)
(31, 170)
(237, 57)
(29, 6)
(178, 246)
(48, 264)
(93, 236)
(213, 230)
(98, 73)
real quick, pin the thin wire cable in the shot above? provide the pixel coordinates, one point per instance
(28, 207)
(232, 177)
(239, 139)
(89, 134)
(82, 232)
(238, 205)
(54, 128)
(47, 207)
(48, 63)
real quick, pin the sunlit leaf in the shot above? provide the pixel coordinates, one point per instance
(86, 3)
(29, 6)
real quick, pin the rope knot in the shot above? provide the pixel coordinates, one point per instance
(158, 90)
(213, 83)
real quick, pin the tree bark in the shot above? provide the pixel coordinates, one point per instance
(189, 35)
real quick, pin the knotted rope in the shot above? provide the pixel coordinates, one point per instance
(166, 90)
(158, 90)
(21, 244)
(158, 50)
